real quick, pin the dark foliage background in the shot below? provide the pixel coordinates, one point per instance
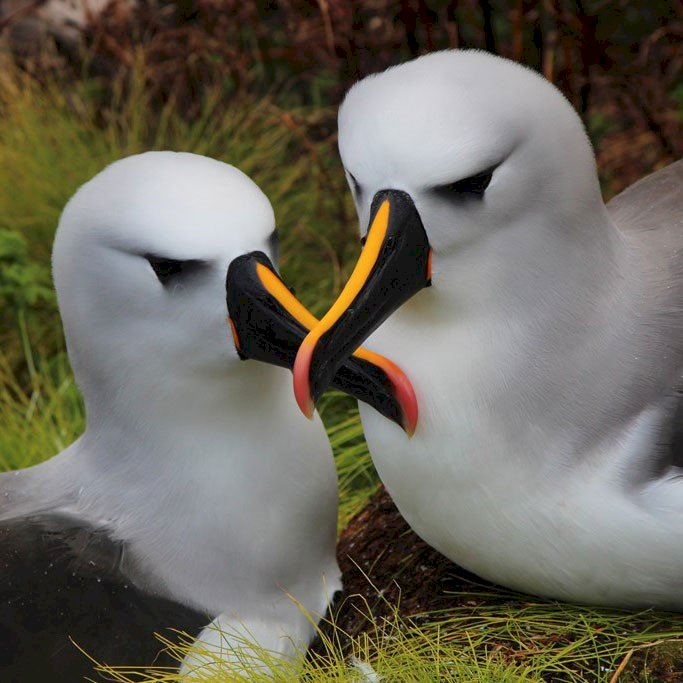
(618, 61)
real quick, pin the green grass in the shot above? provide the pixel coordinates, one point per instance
(534, 641)
(54, 138)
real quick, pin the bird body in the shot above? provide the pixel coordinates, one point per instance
(547, 356)
(197, 497)
(526, 468)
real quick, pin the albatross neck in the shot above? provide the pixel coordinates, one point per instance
(519, 332)
(182, 423)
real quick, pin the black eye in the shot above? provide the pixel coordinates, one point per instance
(274, 245)
(474, 186)
(168, 269)
(355, 186)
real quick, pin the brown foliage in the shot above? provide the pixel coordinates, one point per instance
(618, 62)
(389, 571)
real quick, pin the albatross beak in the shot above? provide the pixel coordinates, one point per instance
(268, 324)
(394, 265)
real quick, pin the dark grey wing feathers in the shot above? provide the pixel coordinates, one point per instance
(63, 580)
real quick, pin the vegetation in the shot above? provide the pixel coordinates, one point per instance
(257, 92)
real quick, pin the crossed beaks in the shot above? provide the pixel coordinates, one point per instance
(394, 265)
(269, 324)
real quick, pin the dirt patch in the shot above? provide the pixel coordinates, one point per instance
(387, 568)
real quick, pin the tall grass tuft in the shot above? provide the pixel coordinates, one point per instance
(41, 419)
(532, 643)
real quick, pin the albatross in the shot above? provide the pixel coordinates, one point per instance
(547, 354)
(198, 498)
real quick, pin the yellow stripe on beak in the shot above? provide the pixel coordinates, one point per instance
(277, 288)
(405, 394)
(361, 272)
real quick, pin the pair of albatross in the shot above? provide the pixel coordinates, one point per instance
(546, 360)
(547, 355)
(199, 498)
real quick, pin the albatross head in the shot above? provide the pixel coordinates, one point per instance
(184, 440)
(479, 143)
(467, 170)
(140, 262)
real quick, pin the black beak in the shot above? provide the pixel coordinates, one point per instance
(394, 265)
(269, 323)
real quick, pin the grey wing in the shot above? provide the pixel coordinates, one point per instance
(650, 215)
(61, 580)
(654, 203)
(675, 440)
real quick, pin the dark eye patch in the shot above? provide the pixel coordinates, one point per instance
(168, 269)
(356, 187)
(473, 186)
(274, 245)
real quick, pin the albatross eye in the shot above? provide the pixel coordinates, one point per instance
(274, 246)
(168, 269)
(355, 185)
(474, 186)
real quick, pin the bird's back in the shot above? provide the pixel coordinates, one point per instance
(63, 586)
(649, 214)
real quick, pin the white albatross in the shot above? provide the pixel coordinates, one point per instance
(547, 356)
(198, 497)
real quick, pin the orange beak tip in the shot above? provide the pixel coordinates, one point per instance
(303, 398)
(306, 406)
(302, 387)
(405, 394)
(409, 422)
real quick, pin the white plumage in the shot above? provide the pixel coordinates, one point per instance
(547, 357)
(223, 495)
